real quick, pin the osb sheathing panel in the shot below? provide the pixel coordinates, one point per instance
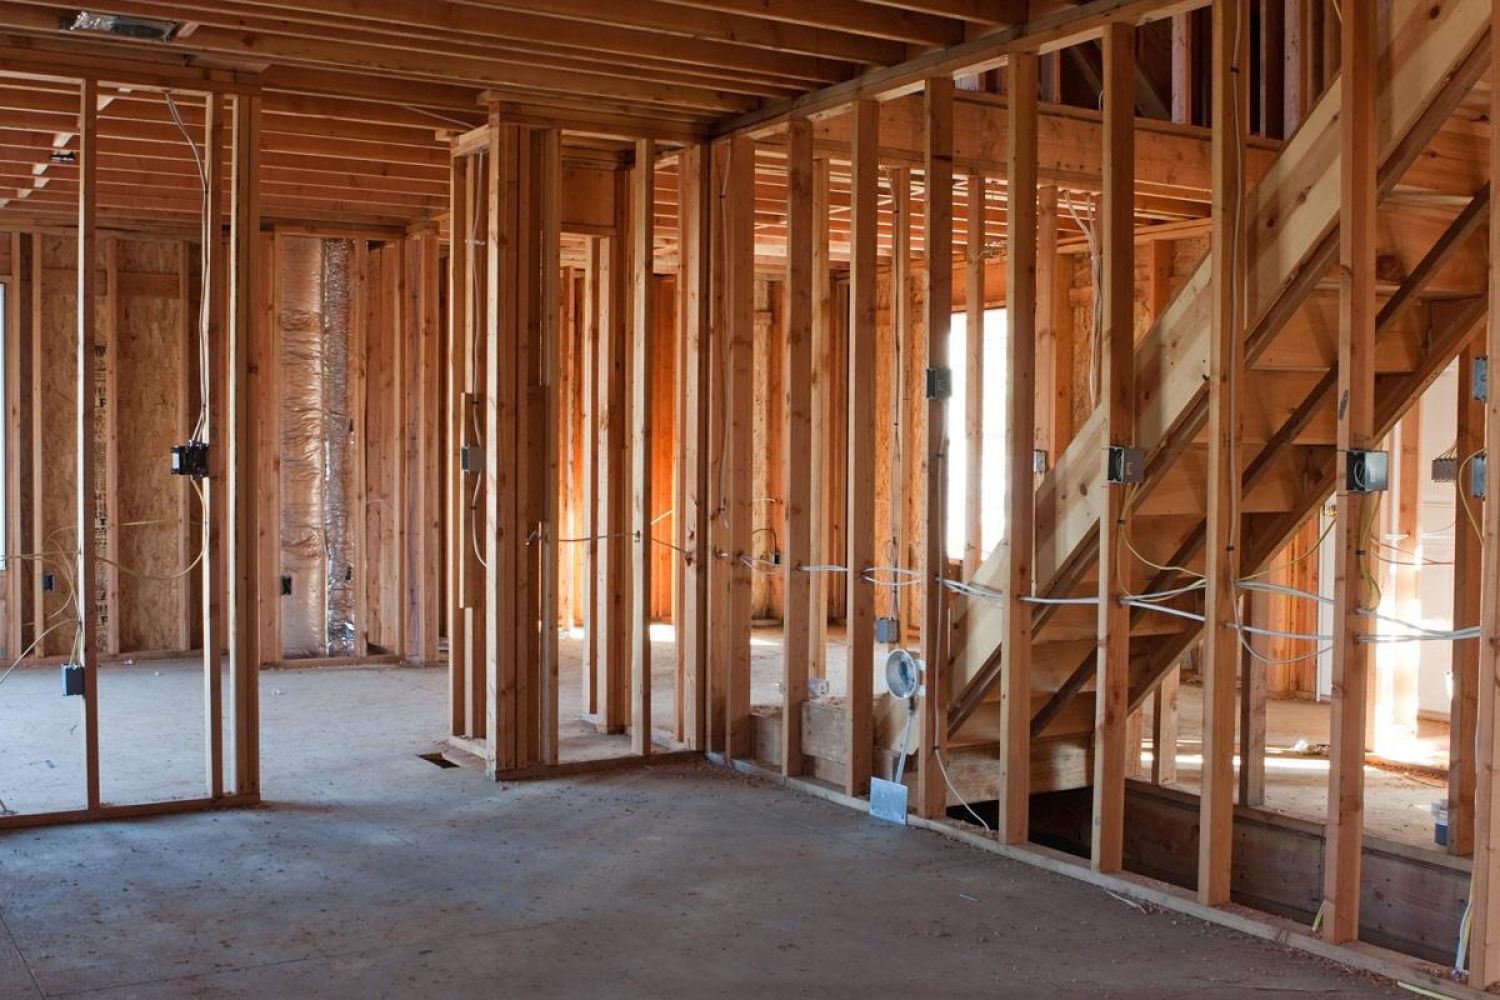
(148, 386)
(149, 356)
(58, 412)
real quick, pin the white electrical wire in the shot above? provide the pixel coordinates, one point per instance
(826, 568)
(1162, 609)
(206, 234)
(1059, 601)
(937, 754)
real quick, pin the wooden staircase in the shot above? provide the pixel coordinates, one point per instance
(1433, 275)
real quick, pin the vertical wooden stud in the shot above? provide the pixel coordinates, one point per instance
(798, 365)
(864, 237)
(932, 791)
(643, 253)
(1221, 646)
(1117, 393)
(1020, 443)
(87, 512)
(1356, 415)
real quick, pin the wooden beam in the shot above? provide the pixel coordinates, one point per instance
(859, 527)
(797, 415)
(240, 541)
(937, 301)
(87, 513)
(1221, 643)
(1356, 430)
(1484, 939)
(642, 249)
(1468, 588)
(1117, 395)
(1020, 444)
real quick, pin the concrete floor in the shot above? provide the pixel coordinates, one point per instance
(373, 873)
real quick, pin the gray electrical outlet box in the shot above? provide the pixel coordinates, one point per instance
(1481, 380)
(1445, 470)
(471, 459)
(1039, 461)
(73, 679)
(1126, 465)
(939, 383)
(1477, 477)
(887, 630)
(1367, 471)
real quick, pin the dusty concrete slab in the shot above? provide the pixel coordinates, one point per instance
(373, 873)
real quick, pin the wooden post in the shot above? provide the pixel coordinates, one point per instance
(974, 378)
(820, 485)
(266, 378)
(87, 511)
(109, 416)
(1356, 426)
(1184, 100)
(937, 300)
(643, 253)
(692, 422)
(1468, 559)
(457, 497)
(215, 288)
(737, 459)
(859, 528)
(1164, 729)
(16, 570)
(549, 226)
(1221, 646)
(799, 473)
(1252, 705)
(240, 542)
(901, 336)
(1117, 393)
(1484, 939)
(1020, 443)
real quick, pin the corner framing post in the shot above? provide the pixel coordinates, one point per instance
(642, 245)
(1226, 361)
(240, 545)
(1117, 393)
(932, 790)
(456, 494)
(1020, 443)
(1484, 935)
(88, 364)
(797, 377)
(1356, 426)
(859, 528)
